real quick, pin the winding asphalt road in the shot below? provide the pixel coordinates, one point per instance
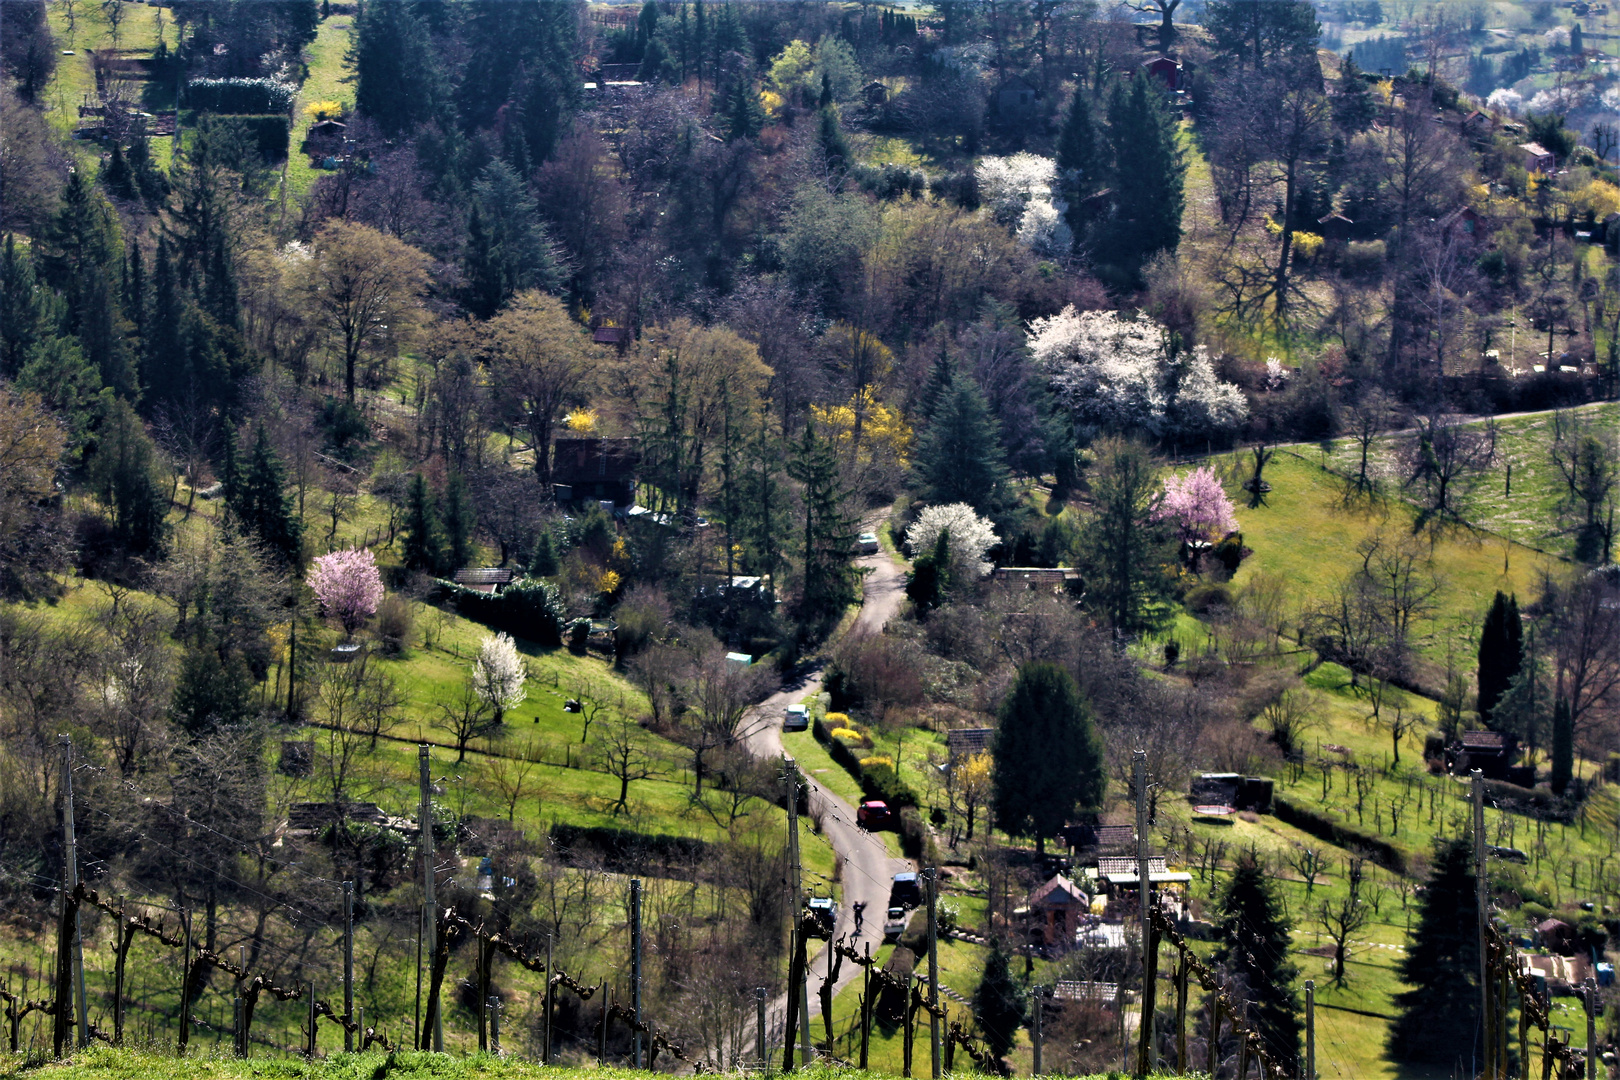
(868, 869)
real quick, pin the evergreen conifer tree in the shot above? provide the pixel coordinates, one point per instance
(930, 578)
(211, 693)
(1563, 746)
(29, 312)
(828, 585)
(264, 509)
(422, 541)
(1501, 652)
(121, 472)
(1080, 163)
(834, 147)
(745, 116)
(1353, 106)
(1048, 755)
(1126, 547)
(543, 563)
(940, 377)
(1254, 944)
(459, 522)
(999, 1003)
(395, 66)
(1438, 1018)
(959, 458)
(1149, 174)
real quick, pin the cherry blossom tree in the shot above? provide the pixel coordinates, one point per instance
(1198, 505)
(499, 675)
(971, 537)
(348, 586)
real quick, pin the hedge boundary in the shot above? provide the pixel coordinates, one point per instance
(527, 608)
(880, 782)
(1323, 827)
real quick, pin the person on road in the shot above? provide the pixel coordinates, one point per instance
(860, 915)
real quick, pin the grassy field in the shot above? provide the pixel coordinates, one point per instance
(325, 83)
(1523, 507)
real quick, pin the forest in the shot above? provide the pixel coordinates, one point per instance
(440, 439)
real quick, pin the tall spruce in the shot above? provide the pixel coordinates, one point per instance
(1081, 164)
(827, 585)
(459, 522)
(1563, 746)
(262, 504)
(1254, 942)
(999, 1003)
(1438, 1017)
(422, 542)
(29, 312)
(1501, 652)
(122, 473)
(959, 458)
(1126, 547)
(1048, 755)
(397, 78)
(1149, 173)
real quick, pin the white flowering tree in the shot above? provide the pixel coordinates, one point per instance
(499, 675)
(1115, 374)
(1503, 100)
(1017, 190)
(971, 537)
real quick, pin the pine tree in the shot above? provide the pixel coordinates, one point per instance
(930, 579)
(459, 522)
(1438, 1018)
(1049, 758)
(422, 542)
(1353, 106)
(834, 147)
(396, 71)
(1254, 944)
(959, 458)
(121, 472)
(1501, 652)
(211, 693)
(1080, 163)
(1563, 746)
(29, 312)
(265, 510)
(1126, 548)
(828, 584)
(543, 563)
(999, 1003)
(745, 116)
(56, 370)
(941, 376)
(1149, 174)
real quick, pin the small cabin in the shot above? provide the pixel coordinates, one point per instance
(1536, 158)
(603, 470)
(1055, 911)
(1167, 71)
(1016, 97)
(484, 579)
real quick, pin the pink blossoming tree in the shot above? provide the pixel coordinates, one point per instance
(348, 586)
(1198, 505)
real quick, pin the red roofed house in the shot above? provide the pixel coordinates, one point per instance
(1056, 909)
(1166, 70)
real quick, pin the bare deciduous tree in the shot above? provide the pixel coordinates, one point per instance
(466, 717)
(1344, 917)
(622, 750)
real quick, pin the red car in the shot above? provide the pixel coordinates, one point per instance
(874, 814)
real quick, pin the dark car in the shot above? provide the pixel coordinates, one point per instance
(906, 891)
(796, 718)
(823, 913)
(874, 814)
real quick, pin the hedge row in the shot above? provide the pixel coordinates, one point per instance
(882, 782)
(239, 96)
(528, 608)
(1322, 827)
(877, 781)
(628, 850)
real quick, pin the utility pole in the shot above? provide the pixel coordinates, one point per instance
(635, 962)
(1482, 920)
(430, 909)
(70, 856)
(1590, 998)
(1144, 887)
(931, 875)
(866, 1006)
(759, 1027)
(791, 771)
(495, 1021)
(348, 964)
(309, 1050)
(545, 1047)
(1039, 997)
(1310, 1029)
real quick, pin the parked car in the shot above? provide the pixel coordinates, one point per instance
(894, 923)
(824, 913)
(906, 890)
(867, 544)
(874, 814)
(796, 718)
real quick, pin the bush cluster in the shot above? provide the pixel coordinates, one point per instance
(527, 608)
(239, 96)
(876, 775)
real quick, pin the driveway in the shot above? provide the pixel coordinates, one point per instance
(868, 867)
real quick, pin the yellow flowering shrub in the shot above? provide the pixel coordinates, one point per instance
(837, 719)
(879, 759)
(881, 425)
(324, 110)
(848, 733)
(581, 420)
(609, 581)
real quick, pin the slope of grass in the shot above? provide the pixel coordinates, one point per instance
(1307, 537)
(325, 83)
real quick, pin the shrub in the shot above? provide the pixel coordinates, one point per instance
(878, 761)
(527, 608)
(239, 96)
(1230, 552)
(837, 720)
(848, 733)
(1202, 599)
(880, 781)
(1362, 258)
(395, 620)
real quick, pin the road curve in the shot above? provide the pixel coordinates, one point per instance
(868, 868)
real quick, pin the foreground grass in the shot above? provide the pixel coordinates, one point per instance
(103, 1063)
